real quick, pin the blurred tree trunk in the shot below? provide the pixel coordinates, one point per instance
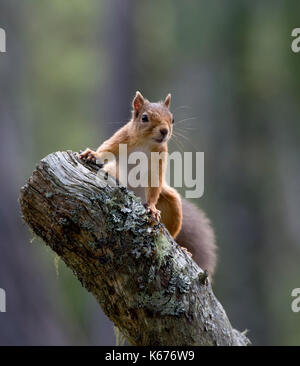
(30, 317)
(240, 210)
(120, 47)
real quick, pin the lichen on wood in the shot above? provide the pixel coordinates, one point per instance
(144, 282)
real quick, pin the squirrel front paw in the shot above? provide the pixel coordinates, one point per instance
(91, 156)
(155, 213)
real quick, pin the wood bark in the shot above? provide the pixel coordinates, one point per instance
(144, 282)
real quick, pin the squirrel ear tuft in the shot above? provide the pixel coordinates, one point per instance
(167, 101)
(138, 101)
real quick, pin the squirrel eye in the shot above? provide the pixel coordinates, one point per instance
(173, 121)
(145, 118)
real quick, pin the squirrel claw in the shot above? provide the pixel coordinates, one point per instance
(187, 252)
(152, 211)
(155, 213)
(89, 155)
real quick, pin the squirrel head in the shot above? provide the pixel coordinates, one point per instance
(153, 122)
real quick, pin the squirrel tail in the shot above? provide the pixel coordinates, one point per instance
(198, 237)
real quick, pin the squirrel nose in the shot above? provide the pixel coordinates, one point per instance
(164, 131)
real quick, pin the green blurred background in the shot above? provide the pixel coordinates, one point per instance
(67, 80)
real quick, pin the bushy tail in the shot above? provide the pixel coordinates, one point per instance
(198, 237)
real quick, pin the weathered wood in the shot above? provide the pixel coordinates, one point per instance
(145, 283)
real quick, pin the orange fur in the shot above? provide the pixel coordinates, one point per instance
(169, 203)
(137, 134)
(183, 220)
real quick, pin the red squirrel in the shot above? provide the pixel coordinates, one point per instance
(148, 131)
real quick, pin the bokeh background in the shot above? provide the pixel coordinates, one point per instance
(67, 80)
